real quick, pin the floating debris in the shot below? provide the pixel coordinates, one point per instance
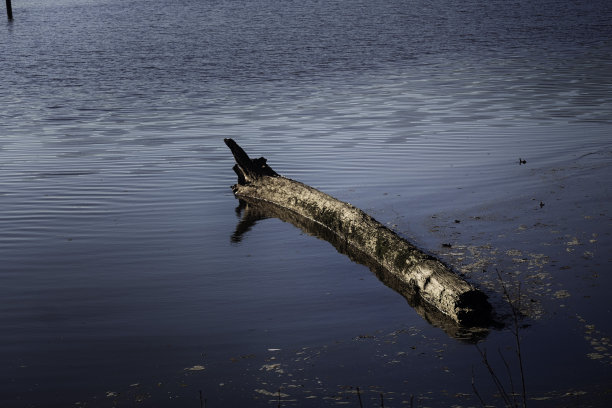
(561, 294)
(195, 368)
(602, 345)
(272, 367)
(272, 394)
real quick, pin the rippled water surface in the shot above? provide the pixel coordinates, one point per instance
(119, 280)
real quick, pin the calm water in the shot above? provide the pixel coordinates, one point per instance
(120, 283)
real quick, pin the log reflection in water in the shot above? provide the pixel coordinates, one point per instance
(252, 211)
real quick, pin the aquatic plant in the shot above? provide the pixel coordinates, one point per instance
(510, 397)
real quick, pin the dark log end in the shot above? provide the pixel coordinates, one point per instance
(248, 169)
(474, 309)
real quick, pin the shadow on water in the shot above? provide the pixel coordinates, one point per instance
(252, 211)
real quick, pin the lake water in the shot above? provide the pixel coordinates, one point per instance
(119, 279)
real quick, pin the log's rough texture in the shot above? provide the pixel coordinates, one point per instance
(429, 278)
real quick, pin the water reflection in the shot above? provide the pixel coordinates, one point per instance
(252, 211)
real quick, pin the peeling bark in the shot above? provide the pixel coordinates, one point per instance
(422, 275)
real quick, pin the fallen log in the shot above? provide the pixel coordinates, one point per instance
(425, 277)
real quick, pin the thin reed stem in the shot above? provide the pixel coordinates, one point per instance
(476, 391)
(516, 310)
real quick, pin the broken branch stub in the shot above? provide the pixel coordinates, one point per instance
(246, 169)
(428, 278)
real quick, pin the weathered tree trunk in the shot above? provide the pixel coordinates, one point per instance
(425, 276)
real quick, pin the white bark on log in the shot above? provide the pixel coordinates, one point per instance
(427, 277)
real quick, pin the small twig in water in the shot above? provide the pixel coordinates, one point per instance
(513, 393)
(476, 391)
(359, 396)
(494, 376)
(516, 311)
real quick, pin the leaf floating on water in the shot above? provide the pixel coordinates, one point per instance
(574, 393)
(195, 368)
(561, 294)
(272, 367)
(275, 394)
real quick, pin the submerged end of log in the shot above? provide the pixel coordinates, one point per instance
(439, 286)
(473, 308)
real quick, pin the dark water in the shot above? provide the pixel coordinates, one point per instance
(120, 284)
